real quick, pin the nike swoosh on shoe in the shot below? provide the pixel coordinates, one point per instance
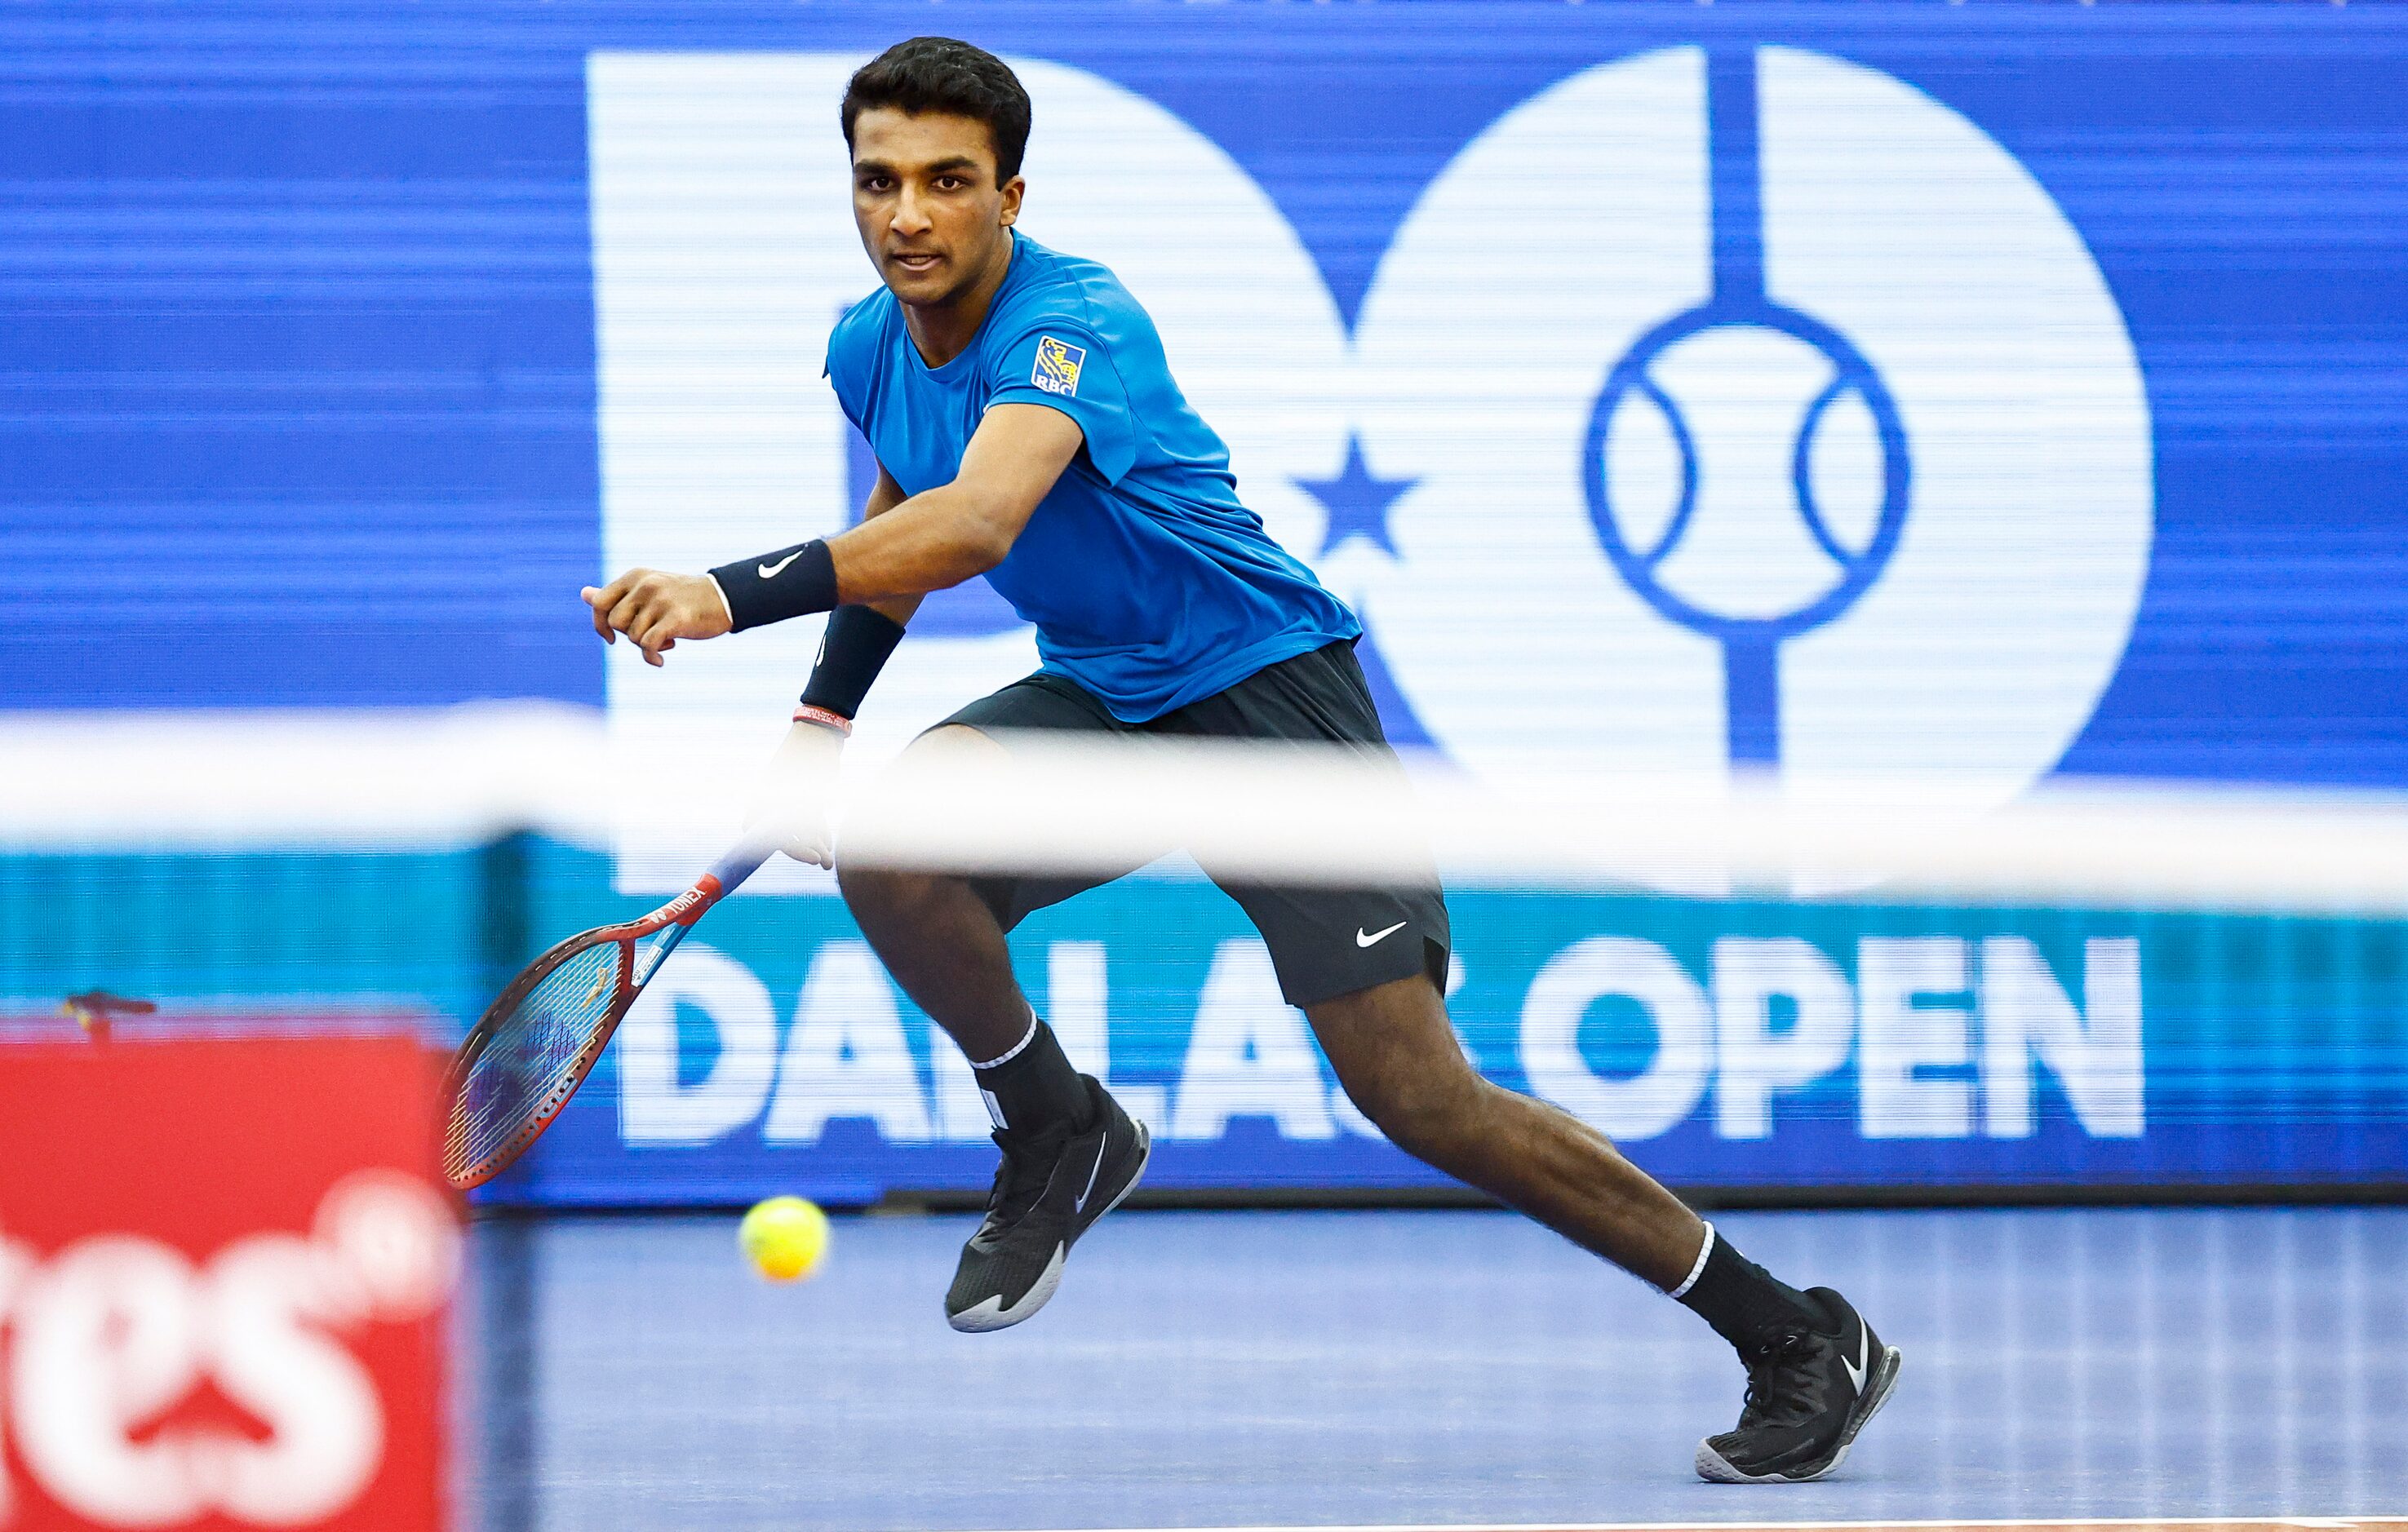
(1103, 1147)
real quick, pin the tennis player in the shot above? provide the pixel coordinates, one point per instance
(1027, 429)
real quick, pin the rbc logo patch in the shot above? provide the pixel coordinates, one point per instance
(1057, 366)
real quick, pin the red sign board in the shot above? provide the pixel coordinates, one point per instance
(226, 1267)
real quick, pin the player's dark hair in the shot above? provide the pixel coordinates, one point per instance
(948, 75)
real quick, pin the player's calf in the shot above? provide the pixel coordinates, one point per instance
(1400, 1062)
(943, 945)
(1807, 1354)
(1428, 1107)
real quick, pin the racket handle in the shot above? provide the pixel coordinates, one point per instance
(742, 861)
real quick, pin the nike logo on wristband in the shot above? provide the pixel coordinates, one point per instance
(772, 572)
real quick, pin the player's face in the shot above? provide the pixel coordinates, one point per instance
(933, 216)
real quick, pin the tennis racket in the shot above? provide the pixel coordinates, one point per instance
(535, 1045)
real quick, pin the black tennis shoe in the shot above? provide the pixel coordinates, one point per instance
(1047, 1192)
(1809, 1393)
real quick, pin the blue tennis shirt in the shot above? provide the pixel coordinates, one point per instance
(1150, 583)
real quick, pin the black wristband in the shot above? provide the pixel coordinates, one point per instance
(859, 640)
(790, 582)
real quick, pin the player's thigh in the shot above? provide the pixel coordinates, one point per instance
(891, 848)
(937, 767)
(1327, 941)
(1037, 706)
(1394, 1049)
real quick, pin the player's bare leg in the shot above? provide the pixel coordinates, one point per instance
(935, 935)
(944, 946)
(1398, 1060)
(1816, 1370)
(1069, 1153)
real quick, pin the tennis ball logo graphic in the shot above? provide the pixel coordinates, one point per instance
(1829, 455)
(1746, 466)
(1798, 486)
(785, 1239)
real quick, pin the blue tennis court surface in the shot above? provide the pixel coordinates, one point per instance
(1350, 1368)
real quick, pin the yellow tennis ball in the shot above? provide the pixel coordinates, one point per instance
(784, 1238)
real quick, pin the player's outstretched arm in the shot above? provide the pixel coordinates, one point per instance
(884, 496)
(950, 533)
(927, 542)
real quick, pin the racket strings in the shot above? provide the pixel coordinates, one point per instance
(535, 1058)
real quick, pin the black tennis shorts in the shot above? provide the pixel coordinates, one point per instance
(1325, 941)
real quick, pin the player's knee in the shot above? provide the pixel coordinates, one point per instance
(881, 897)
(1424, 1108)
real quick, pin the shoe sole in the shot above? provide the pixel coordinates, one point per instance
(1713, 1467)
(989, 1314)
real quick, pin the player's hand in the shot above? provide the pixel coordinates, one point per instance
(655, 608)
(791, 806)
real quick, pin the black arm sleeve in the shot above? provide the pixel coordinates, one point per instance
(858, 640)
